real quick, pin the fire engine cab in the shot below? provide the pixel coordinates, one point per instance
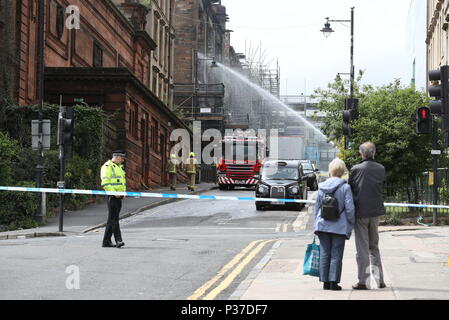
(243, 156)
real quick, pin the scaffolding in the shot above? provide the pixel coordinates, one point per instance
(246, 107)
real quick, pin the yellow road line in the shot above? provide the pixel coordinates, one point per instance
(201, 290)
(228, 280)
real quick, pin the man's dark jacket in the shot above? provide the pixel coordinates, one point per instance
(367, 181)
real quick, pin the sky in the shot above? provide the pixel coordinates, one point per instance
(289, 30)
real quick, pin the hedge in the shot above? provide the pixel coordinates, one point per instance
(18, 161)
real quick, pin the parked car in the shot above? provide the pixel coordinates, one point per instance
(312, 173)
(281, 179)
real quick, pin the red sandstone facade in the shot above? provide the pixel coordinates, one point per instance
(107, 62)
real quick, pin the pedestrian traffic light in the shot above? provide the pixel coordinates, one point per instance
(349, 114)
(66, 125)
(423, 121)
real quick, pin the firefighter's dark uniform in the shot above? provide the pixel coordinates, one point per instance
(113, 179)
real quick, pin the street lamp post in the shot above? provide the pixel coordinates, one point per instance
(327, 31)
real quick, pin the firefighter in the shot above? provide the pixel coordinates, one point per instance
(113, 179)
(191, 168)
(172, 168)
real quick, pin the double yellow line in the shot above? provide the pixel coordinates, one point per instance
(250, 252)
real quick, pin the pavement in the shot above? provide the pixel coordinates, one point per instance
(95, 215)
(415, 262)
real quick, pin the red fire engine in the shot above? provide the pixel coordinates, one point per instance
(242, 159)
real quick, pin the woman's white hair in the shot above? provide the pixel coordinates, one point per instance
(337, 168)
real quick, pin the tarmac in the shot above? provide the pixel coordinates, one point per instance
(415, 258)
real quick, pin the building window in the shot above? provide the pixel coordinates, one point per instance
(60, 21)
(160, 92)
(155, 136)
(98, 55)
(154, 84)
(155, 32)
(161, 44)
(132, 120)
(167, 49)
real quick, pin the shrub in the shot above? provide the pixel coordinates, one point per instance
(17, 209)
(8, 150)
(18, 161)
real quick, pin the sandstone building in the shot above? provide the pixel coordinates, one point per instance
(120, 58)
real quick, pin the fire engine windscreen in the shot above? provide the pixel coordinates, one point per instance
(241, 150)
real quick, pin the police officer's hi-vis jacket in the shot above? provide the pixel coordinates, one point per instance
(113, 177)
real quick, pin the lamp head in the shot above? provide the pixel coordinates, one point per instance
(327, 30)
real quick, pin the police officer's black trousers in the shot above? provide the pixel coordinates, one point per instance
(113, 226)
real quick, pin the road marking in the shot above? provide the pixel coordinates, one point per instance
(244, 285)
(201, 290)
(228, 280)
(278, 227)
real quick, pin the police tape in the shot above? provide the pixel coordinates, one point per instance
(192, 197)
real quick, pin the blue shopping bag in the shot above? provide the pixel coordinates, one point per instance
(312, 260)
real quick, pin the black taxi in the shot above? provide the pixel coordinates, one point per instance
(281, 179)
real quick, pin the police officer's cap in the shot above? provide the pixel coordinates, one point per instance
(119, 153)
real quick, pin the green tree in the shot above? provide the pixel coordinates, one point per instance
(387, 118)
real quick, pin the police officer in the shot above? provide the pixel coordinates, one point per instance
(172, 168)
(191, 167)
(113, 179)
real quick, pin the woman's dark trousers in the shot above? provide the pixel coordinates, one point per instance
(332, 247)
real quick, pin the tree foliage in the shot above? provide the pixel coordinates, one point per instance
(18, 161)
(386, 118)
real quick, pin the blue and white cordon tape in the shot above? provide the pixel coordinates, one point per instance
(193, 197)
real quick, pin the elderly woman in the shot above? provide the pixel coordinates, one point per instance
(333, 233)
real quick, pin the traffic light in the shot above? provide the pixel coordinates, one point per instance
(350, 113)
(440, 106)
(66, 124)
(440, 91)
(423, 121)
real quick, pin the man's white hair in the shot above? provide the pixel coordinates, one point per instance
(368, 150)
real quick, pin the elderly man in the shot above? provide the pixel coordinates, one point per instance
(113, 179)
(367, 181)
